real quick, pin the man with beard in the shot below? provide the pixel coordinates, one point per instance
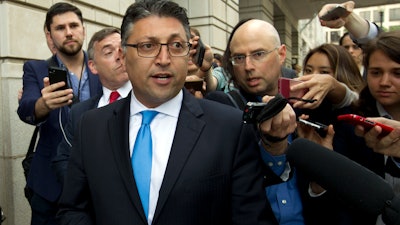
(45, 105)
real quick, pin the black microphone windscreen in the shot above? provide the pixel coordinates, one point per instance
(355, 184)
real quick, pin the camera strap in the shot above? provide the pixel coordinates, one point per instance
(237, 100)
(272, 108)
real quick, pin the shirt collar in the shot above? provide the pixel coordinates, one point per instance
(123, 90)
(171, 107)
(382, 112)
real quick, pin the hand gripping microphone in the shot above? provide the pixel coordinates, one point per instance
(355, 184)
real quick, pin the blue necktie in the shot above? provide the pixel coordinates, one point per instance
(141, 158)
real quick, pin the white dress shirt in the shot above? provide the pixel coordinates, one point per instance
(163, 128)
(123, 92)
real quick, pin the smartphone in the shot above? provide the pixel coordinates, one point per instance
(284, 85)
(321, 129)
(367, 124)
(196, 85)
(335, 13)
(56, 75)
(199, 56)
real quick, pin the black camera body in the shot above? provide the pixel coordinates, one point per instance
(252, 110)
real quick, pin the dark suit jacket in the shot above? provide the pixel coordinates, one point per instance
(41, 178)
(328, 209)
(212, 177)
(60, 161)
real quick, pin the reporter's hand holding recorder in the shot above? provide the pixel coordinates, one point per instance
(355, 24)
(388, 145)
(202, 56)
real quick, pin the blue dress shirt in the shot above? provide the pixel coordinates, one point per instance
(284, 197)
(80, 87)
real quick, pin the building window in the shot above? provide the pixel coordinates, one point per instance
(366, 15)
(377, 16)
(394, 14)
(335, 36)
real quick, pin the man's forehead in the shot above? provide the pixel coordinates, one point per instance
(109, 40)
(65, 18)
(172, 28)
(249, 45)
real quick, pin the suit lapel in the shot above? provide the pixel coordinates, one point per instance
(188, 130)
(118, 128)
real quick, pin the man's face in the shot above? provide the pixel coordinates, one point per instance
(384, 81)
(67, 33)
(158, 79)
(257, 77)
(107, 62)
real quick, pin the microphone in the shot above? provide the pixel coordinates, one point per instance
(355, 184)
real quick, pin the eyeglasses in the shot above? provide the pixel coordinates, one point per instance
(255, 57)
(152, 49)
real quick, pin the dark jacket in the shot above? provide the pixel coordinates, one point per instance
(213, 174)
(41, 178)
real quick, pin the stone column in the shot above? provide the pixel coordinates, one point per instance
(213, 19)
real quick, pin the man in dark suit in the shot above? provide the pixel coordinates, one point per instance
(45, 106)
(205, 166)
(105, 61)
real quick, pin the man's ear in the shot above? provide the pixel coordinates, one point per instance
(50, 42)
(92, 66)
(122, 56)
(282, 54)
(84, 30)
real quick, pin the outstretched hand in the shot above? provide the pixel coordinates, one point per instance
(308, 132)
(339, 22)
(51, 98)
(388, 145)
(318, 86)
(54, 98)
(279, 127)
(208, 56)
